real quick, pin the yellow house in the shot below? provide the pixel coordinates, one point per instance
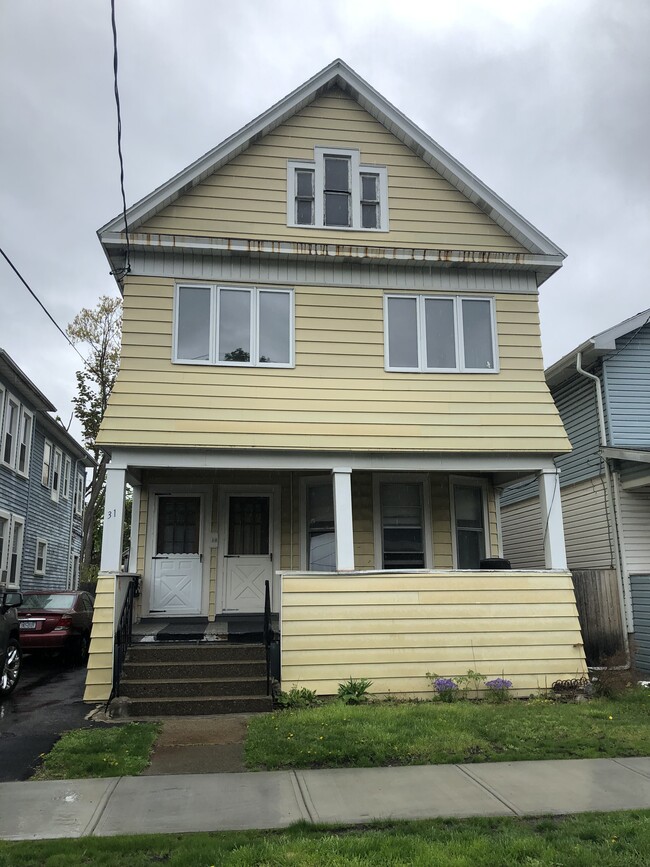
(331, 363)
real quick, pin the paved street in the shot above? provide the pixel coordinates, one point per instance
(46, 702)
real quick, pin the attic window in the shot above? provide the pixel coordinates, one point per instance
(335, 190)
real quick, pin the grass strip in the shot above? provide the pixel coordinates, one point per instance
(606, 839)
(334, 735)
(108, 751)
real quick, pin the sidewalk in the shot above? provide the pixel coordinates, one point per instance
(220, 802)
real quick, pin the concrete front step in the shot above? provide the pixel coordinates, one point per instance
(207, 651)
(146, 707)
(193, 687)
(137, 670)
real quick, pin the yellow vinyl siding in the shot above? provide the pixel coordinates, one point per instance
(247, 198)
(394, 628)
(338, 396)
(99, 678)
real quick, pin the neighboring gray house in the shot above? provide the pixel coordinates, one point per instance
(602, 391)
(42, 483)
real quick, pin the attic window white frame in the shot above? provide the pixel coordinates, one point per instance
(460, 366)
(215, 293)
(357, 169)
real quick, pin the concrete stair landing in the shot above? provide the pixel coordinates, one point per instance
(189, 678)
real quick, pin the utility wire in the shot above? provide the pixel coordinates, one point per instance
(120, 273)
(38, 301)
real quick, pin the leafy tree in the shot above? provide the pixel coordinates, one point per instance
(98, 333)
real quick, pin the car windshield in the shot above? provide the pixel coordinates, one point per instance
(48, 601)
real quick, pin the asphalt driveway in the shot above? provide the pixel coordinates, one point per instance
(46, 703)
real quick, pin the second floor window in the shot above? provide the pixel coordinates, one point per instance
(440, 334)
(335, 190)
(46, 474)
(234, 326)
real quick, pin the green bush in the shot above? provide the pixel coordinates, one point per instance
(298, 698)
(354, 691)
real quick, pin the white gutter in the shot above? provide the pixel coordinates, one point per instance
(610, 505)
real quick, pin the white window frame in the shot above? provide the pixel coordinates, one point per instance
(3, 392)
(4, 554)
(16, 520)
(10, 399)
(79, 491)
(67, 473)
(43, 569)
(305, 483)
(215, 294)
(73, 581)
(458, 334)
(24, 413)
(47, 483)
(317, 165)
(469, 482)
(57, 462)
(427, 529)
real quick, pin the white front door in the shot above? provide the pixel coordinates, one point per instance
(176, 584)
(248, 558)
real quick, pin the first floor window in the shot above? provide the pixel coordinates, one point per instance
(469, 514)
(320, 531)
(74, 576)
(440, 334)
(402, 525)
(234, 325)
(47, 464)
(15, 550)
(41, 557)
(5, 519)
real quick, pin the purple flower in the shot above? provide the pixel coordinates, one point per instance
(444, 684)
(499, 683)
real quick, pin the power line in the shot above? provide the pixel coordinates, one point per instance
(120, 273)
(38, 300)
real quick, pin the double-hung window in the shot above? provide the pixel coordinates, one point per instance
(67, 472)
(10, 431)
(335, 190)
(440, 334)
(402, 523)
(46, 472)
(12, 529)
(56, 475)
(234, 325)
(16, 425)
(40, 561)
(470, 522)
(80, 485)
(5, 524)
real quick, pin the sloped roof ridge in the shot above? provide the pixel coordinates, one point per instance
(338, 72)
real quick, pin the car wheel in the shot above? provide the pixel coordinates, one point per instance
(11, 668)
(83, 649)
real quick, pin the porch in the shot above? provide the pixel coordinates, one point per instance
(204, 542)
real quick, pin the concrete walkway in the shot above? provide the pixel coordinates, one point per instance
(220, 802)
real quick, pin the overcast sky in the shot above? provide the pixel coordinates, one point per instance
(547, 101)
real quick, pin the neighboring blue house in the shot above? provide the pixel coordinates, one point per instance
(602, 391)
(42, 483)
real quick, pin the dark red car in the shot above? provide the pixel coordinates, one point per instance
(56, 620)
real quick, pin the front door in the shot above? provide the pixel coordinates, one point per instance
(176, 587)
(248, 560)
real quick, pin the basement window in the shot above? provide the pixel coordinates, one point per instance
(335, 191)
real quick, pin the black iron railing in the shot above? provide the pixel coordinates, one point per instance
(123, 634)
(268, 634)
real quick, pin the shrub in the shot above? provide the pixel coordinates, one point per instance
(446, 688)
(498, 689)
(354, 691)
(297, 698)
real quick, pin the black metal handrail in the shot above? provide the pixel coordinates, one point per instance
(268, 634)
(123, 634)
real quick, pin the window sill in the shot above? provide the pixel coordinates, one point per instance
(445, 370)
(357, 229)
(238, 364)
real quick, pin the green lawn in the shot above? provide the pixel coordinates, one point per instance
(379, 734)
(605, 839)
(111, 751)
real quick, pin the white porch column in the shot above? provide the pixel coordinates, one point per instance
(135, 528)
(341, 477)
(552, 526)
(111, 560)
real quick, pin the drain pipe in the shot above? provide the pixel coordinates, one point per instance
(610, 506)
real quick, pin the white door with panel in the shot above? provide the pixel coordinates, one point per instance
(248, 558)
(177, 573)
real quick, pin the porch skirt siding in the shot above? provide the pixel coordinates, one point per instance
(394, 628)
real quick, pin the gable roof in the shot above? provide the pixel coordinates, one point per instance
(339, 74)
(596, 347)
